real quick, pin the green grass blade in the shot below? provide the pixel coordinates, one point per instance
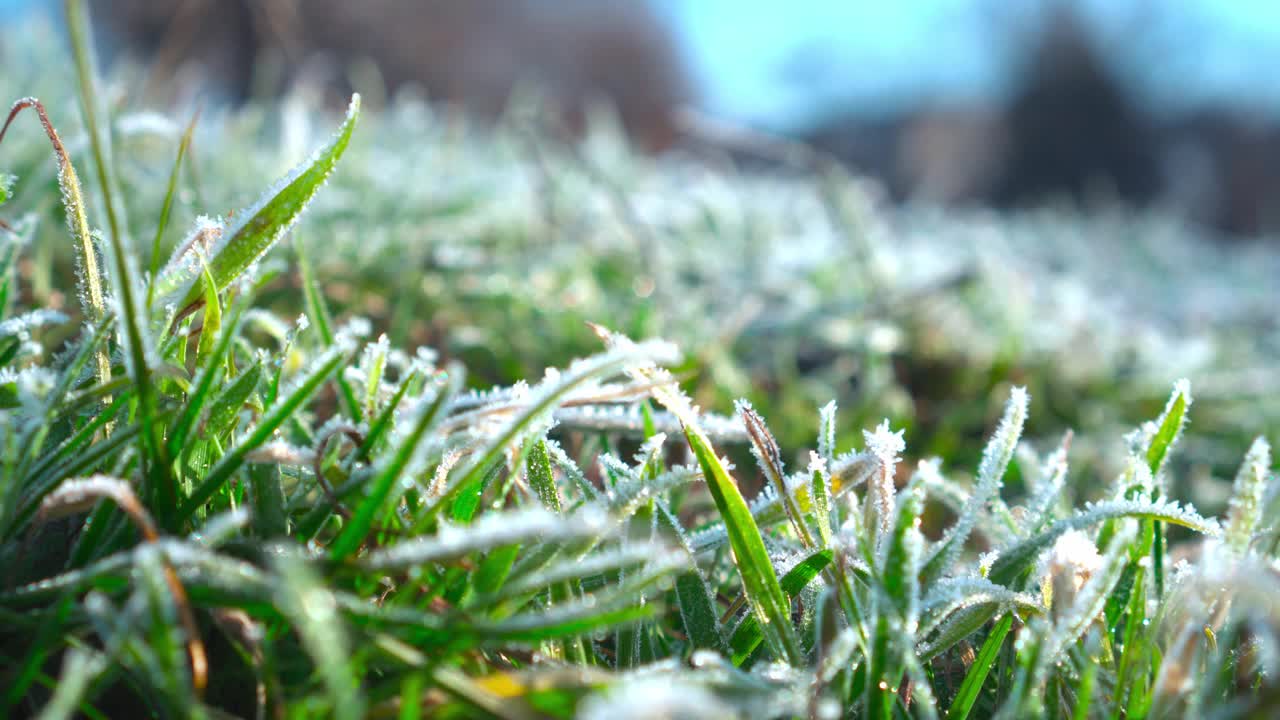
(698, 613)
(747, 635)
(234, 459)
(759, 581)
(205, 380)
(1018, 559)
(254, 230)
(318, 312)
(971, 687)
(995, 462)
(354, 532)
(99, 142)
(166, 208)
(1169, 426)
(311, 608)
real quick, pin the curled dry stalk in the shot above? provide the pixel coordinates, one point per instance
(80, 495)
(77, 223)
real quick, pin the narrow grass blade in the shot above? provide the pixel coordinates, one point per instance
(1169, 426)
(759, 581)
(1246, 496)
(769, 457)
(541, 477)
(166, 207)
(991, 470)
(80, 667)
(318, 312)
(99, 142)
(979, 670)
(698, 613)
(354, 532)
(89, 273)
(284, 408)
(747, 635)
(1018, 559)
(313, 612)
(254, 230)
(205, 380)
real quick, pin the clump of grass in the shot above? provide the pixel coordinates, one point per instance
(242, 513)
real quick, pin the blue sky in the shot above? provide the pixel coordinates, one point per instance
(785, 64)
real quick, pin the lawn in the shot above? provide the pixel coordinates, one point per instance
(383, 414)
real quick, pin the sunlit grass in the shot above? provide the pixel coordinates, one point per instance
(221, 492)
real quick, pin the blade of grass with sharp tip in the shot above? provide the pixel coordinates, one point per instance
(697, 604)
(543, 481)
(759, 581)
(318, 312)
(995, 461)
(89, 274)
(166, 207)
(162, 487)
(212, 315)
(355, 531)
(1019, 558)
(254, 230)
(99, 142)
(1169, 427)
(769, 457)
(898, 567)
(978, 671)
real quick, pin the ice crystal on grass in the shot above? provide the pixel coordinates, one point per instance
(1246, 496)
(492, 530)
(884, 445)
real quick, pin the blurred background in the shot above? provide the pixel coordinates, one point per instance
(1000, 103)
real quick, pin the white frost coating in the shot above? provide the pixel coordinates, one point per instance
(489, 531)
(885, 446)
(991, 469)
(625, 497)
(281, 453)
(654, 697)
(950, 595)
(590, 566)
(827, 431)
(1072, 561)
(82, 493)
(178, 278)
(1049, 488)
(22, 325)
(32, 383)
(1246, 497)
(183, 263)
(1090, 600)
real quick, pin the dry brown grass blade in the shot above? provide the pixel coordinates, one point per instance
(77, 221)
(80, 495)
